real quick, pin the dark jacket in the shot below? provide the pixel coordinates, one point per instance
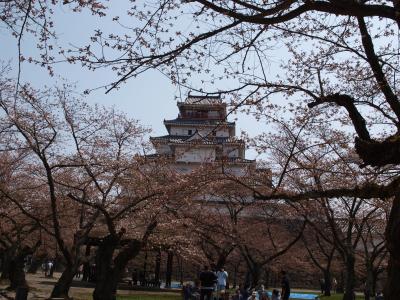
(208, 279)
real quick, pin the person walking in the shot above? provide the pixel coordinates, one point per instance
(285, 285)
(208, 280)
(50, 267)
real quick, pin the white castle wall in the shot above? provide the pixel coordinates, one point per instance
(188, 154)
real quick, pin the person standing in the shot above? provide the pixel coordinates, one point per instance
(208, 280)
(334, 285)
(222, 277)
(79, 271)
(285, 293)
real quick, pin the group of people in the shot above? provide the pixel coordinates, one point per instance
(253, 294)
(48, 268)
(213, 286)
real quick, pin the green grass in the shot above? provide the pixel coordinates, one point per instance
(339, 297)
(150, 297)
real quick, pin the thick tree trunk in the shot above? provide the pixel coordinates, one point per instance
(267, 277)
(255, 276)
(369, 290)
(328, 283)
(350, 278)
(17, 274)
(248, 278)
(5, 265)
(157, 269)
(62, 286)
(109, 270)
(221, 261)
(106, 285)
(392, 288)
(105, 289)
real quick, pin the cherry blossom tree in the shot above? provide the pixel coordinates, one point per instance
(337, 56)
(83, 165)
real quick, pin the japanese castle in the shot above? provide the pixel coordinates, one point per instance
(201, 134)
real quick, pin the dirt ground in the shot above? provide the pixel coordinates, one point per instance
(40, 288)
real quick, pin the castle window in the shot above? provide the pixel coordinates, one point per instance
(190, 132)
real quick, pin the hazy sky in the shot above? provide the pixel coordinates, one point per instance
(149, 98)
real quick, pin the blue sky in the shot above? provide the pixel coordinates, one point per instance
(149, 98)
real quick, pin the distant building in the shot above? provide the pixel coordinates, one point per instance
(201, 134)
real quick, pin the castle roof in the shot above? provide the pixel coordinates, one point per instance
(198, 122)
(224, 159)
(202, 100)
(196, 138)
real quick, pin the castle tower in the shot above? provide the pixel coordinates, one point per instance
(201, 134)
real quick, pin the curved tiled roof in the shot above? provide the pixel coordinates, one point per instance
(184, 139)
(202, 100)
(208, 122)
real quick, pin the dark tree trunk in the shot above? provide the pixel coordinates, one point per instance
(375, 275)
(105, 289)
(392, 288)
(248, 278)
(17, 274)
(62, 286)
(168, 275)
(181, 270)
(340, 286)
(6, 264)
(106, 286)
(157, 269)
(235, 276)
(144, 275)
(86, 265)
(350, 278)
(221, 261)
(267, 277)
(328, 283)
(109, 270)
(255, 276)
(369, 282)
